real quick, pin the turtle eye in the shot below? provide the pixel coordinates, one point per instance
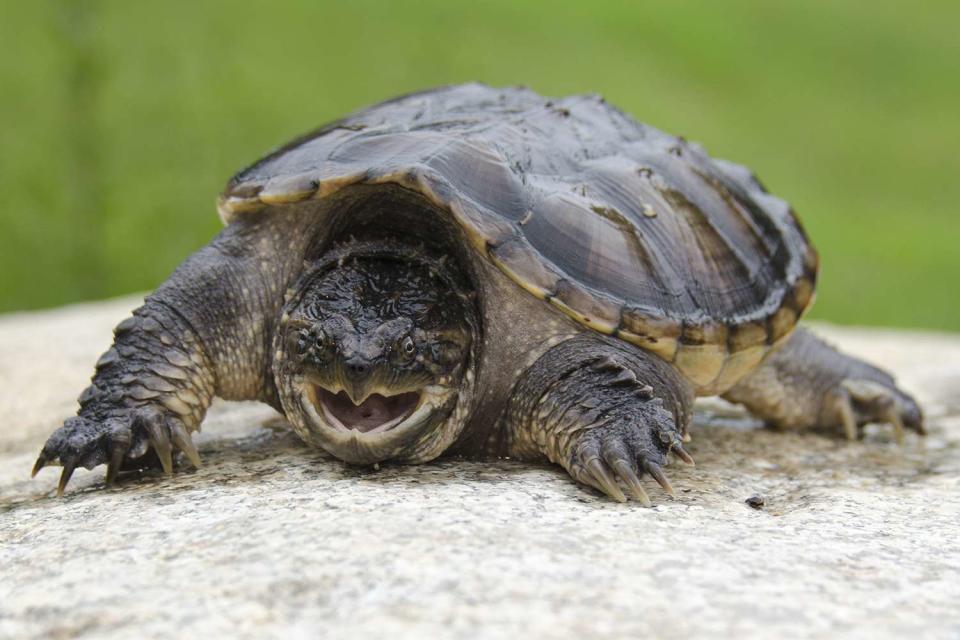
(321, 341)
(407, 347)
(302, 342)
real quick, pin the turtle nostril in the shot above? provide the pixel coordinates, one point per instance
(357, 369)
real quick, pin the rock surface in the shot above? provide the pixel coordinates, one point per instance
(271, 538)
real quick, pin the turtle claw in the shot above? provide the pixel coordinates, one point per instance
(607, 484)
(857, 402)
(619, 453)
(629, 477)
(681, 453)
(113, 468)
(182, 441)
(898, 431)
(39, 464)
(656, 472)
(160, 441)
(68, 468)
(843, 409)
(118, 452)
(118, 441)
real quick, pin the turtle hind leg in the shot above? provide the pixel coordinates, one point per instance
(608, 413)
(808, 383)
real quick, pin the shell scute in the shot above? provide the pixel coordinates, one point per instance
(590, 308)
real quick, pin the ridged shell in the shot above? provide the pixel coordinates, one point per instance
(631, 231)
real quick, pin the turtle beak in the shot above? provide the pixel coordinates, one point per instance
(376, 413)
(357, 391)
(357, 379)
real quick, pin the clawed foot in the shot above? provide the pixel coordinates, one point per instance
(857, 402)
(117, 441)
(625, 451)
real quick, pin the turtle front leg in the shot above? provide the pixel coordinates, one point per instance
(150, 390)
(604, 411)
(206, 331)
(808, 383)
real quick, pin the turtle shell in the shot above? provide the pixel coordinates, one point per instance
(630, 231)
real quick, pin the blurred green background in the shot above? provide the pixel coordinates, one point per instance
(121, 121)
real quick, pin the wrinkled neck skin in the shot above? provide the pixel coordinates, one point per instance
(374, 353)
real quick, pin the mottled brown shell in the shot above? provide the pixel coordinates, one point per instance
(626, 229)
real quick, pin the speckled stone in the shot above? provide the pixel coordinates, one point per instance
(271, 538)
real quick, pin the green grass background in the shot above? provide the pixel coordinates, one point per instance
(120, 121)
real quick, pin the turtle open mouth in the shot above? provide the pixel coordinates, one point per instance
(375, 414)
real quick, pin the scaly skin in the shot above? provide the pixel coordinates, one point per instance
(205, 332)
(153, 386)
(608, 413)
(808, 383)
(377, 319)
(604, 411)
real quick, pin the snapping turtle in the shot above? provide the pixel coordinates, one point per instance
(486, 272)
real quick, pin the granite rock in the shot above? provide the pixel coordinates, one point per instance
(773, 534)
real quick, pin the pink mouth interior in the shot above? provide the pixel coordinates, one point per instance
(375, 413)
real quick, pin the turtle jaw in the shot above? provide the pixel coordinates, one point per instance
(375, 413)
(384, 425)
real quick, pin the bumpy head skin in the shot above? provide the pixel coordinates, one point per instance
(373, 353)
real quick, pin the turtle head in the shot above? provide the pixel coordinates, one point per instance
(374, 352)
